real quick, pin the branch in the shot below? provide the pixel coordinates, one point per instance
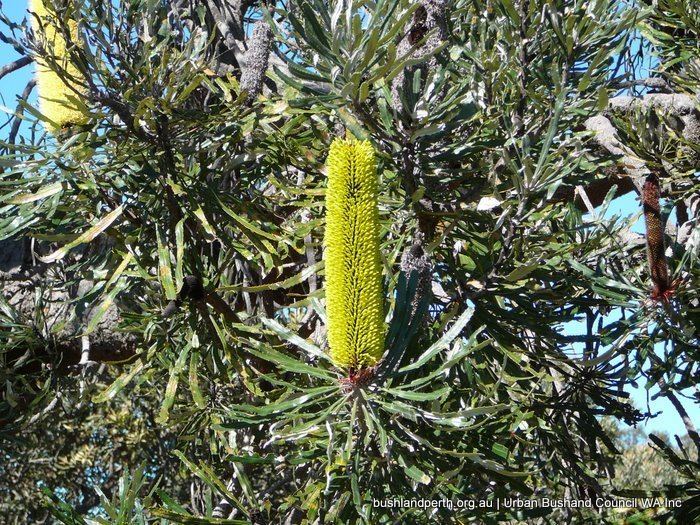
(687, 422)
(430, 20)
(629, 172)
(50, 313)
(656, 83)
(226, 18)
(14, 66)
(17, 118)
(671, 103)
(123, 111)
(682, 412)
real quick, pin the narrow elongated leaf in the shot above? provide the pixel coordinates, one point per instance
(280, 285)
(87, 236)
(171, 389)
(164, 272)
(290, 336)
(204, 472)
(100, 311)
(197, 395)
(443, 342)
(179, 252)
(112, 390)
(47, 191)
(186, 519)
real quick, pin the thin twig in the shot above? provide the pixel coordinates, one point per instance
(17, 118)
(689, 427)
(14, 66)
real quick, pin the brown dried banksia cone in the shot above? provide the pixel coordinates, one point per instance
(656, 256)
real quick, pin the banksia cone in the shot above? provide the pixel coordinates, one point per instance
(430, 15)
(54, 95)
(256, 59)
(353, 266)
(658, 268)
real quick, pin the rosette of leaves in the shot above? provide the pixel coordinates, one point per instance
(358, 413)
(407, 429)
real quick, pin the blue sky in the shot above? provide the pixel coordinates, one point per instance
(14, 83)
(667, 421)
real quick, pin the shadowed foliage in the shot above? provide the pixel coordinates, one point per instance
(293, 259)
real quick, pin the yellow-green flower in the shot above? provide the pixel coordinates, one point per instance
(57, 100)
(353, 266)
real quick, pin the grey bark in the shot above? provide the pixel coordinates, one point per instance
(629, 172)
(35, 294)
(226, 19)
(415, 260)
(14, 66)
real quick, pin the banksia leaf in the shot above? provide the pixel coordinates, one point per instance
(57, 100)
(658, 268)
(353, 267)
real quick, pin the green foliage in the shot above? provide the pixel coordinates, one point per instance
(480, 138)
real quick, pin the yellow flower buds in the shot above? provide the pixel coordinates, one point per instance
(353, 266)
(57, 100)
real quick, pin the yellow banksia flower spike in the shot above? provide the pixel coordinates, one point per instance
(353, 266)
(56, 99)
